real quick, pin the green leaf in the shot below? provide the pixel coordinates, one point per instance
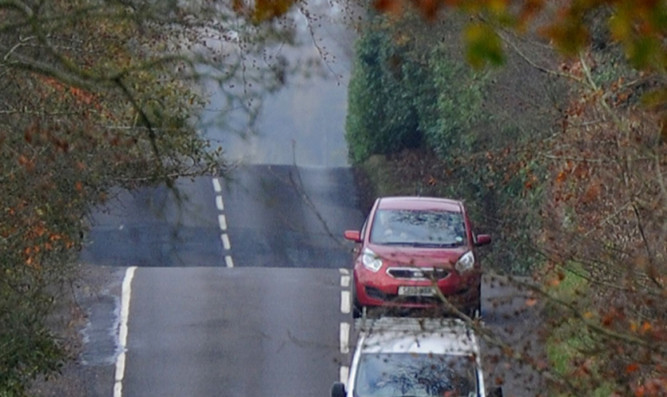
(483, 46)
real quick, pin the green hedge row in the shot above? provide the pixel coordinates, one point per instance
(411, 89)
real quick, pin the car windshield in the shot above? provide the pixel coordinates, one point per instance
(418, 228)
(415, 375)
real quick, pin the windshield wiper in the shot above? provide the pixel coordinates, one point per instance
(436, 245)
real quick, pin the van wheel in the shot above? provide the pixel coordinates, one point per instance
(338, 390)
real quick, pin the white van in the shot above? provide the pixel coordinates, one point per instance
(415, 357)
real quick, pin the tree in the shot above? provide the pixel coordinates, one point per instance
(638, 27)
(586, 190)
(382, 117)
(96, 94)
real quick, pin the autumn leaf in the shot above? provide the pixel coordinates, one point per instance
(608, 319)
(239, 6)
(568, 32)
(530, 302)
(269, 9)
(646, 327)
(23, 160)
(560, 178)
(428, 8)
(390, 7)
(529, 10)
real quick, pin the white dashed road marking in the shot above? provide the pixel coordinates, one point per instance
(344, 373)
(344, 337)
(345, 302)
(222, 222)
(225, 241)
(229, 261)
(216, 185)
(345, 308)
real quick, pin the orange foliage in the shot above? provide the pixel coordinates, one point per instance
(268, 9)
(592, 193)
(391, 7)
(80, 95)
(656, 387)
(530, 302)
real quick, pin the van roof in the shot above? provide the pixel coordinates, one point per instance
(418, 335)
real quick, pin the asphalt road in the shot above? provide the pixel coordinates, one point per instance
(272, 215)
(285, 216)
(238, 288)
(157, 226)
(233, 332)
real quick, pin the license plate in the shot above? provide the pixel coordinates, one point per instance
(415, 291)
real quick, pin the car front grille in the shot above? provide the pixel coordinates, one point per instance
(417, 273)
(377, 294)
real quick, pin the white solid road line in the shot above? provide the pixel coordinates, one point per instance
(122, 330)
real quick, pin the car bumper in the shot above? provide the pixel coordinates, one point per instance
(380, 289)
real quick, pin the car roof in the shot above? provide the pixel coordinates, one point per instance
(420, 203)
(418, 336)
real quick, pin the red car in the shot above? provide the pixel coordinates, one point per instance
(408, 246)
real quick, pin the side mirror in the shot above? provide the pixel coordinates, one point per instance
(338, 390)
(353, 235)
(482, 239)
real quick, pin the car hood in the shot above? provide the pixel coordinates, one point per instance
(418, 256)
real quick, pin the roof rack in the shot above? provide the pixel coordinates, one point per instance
(412, 324)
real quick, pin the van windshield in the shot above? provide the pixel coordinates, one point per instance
(415, 375)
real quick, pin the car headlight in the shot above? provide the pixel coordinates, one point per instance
(371, 261)
(465, 262)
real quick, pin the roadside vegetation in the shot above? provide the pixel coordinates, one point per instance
(98, 95)
(559, 153)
